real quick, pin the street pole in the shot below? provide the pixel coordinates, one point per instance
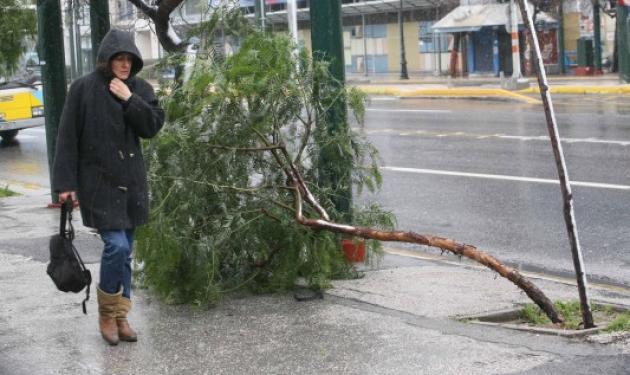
(259, 8)
(51, 55)
(365, 54)
(516, 53)
(597, 35)
(77, 38)
(70, 25)
(327, 42)
(561, 49)
(403, 59)
(99, 24)
(292, 20)
(565, 187)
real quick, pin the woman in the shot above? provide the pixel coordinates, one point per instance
(99, 161)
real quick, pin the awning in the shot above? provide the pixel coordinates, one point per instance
(356, 9)
(467, 18)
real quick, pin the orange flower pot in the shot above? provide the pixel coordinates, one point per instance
(353, 251)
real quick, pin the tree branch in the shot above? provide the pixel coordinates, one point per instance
(456, 248)
(160, 16)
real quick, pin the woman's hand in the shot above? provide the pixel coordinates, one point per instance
(119, 89)
(65, 195)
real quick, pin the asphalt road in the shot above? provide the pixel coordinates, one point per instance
(483, 173)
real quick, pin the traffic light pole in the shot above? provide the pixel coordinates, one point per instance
(51, 56)
(327, 42)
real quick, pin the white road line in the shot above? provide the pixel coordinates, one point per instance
(567, 140)
(543, 138)
(597, 185)
(409, 110)
(384, 99)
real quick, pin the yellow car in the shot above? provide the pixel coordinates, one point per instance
(21, 107)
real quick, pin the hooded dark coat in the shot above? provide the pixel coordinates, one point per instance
(98, 152)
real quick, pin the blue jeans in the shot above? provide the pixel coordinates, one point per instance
(116, 261)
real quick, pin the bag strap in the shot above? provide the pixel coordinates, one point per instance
(66, 217)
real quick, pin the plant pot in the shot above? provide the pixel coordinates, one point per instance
(354, 251)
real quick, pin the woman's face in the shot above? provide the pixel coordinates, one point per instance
(121, 65)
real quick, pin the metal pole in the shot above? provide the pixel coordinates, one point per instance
(51, 54)
(327, 42)
(565, 187)
(365, 62)
(561, 51)
(597, 47)
(99, 24)
(259, 8)
(292, 19)
(70, 25)
(403, 60)
(77, 38)
(516, 53)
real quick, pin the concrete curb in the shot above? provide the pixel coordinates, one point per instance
(481, 93)
(582, 90)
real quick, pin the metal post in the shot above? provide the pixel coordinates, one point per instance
(403, 60)
(51, 55)
(516, 53)
(70, 25)
(99, 24)
(259, 8)
(597, 47)
(77, 39)
(365, 62)
(327, 41)
(561, 49)
(565, 187)
(292, 20)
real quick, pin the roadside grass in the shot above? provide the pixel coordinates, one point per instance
(614, 319)
(5, 192)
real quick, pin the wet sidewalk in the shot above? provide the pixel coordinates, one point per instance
(398, 319)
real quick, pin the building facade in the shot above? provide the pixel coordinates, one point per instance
(372, 37)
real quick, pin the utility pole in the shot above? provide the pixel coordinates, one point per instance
(327, 41)
(51, 56)
(597, 36)
(403, 59)
(99, 24)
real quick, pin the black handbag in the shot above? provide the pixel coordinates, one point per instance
(66, 268)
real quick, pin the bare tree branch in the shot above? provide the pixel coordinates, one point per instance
(160, 16)
(456, 248)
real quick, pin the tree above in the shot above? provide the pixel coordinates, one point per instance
(17, 22)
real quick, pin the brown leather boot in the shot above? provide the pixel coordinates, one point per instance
(125, 333)
(107, 306)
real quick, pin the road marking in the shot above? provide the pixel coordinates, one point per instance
(384, 99)
(544, 138)
(597, 185)
(410, 110)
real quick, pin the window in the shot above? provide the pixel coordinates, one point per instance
(125, 10)
(195, 7)
(430, 41)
